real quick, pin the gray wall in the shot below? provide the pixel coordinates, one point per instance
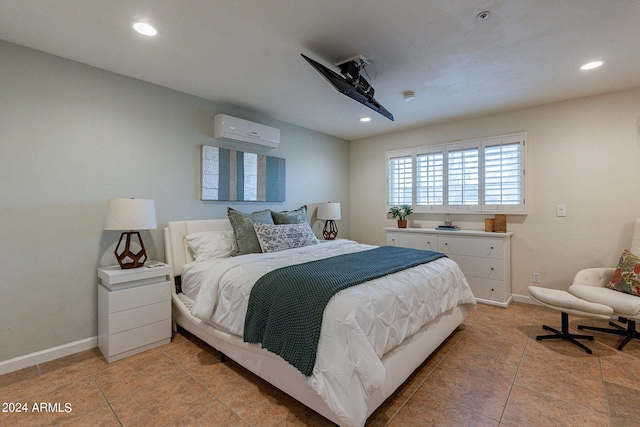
(72, 137)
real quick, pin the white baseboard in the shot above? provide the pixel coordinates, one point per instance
(526, 299)
(42, 356)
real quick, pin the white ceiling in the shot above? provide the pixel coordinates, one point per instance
(247, 52)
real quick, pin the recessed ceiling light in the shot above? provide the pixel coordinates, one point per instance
(365, 119)
(591, 65)
(145, 29)
(483, 16)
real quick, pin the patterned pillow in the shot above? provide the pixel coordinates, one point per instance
(245, 235)
(274, 238)
(627, 275)
(290, 217)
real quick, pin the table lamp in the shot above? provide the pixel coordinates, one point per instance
(130, 215)
(329, 212)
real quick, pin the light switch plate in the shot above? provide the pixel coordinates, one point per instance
(561, 210)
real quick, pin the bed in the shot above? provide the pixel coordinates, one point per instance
(341, 403)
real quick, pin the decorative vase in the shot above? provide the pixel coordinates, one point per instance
(402, 223)
(500, 224)
(488, 224)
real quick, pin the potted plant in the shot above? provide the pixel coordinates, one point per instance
(401, 213)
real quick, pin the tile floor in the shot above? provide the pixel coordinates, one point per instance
(490, 372)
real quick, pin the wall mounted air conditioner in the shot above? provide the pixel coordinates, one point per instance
(244, 135)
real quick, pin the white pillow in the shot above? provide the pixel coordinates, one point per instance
(211, 244)
(274, 238)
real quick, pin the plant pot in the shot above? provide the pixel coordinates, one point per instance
(402, 223)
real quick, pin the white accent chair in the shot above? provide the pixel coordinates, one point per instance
(590, 285)
(566, 304)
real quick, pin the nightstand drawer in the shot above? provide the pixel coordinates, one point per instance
(127, 299)
(140, 316)
(139, 337)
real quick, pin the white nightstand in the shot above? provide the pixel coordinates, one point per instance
(134, 309)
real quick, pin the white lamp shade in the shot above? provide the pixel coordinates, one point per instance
(131, 214)
(329, 211)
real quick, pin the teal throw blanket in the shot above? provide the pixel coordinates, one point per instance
(286, 305)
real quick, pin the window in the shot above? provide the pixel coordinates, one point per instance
(462, 176)
(430, 179)
(400, 179)
(502, 177)
(478, 176)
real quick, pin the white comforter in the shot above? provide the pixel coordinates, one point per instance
(360, 324)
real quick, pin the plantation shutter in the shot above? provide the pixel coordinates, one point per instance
(476, 176)
(463, 168)
(430, 179)
(504, 174)
(400, 178)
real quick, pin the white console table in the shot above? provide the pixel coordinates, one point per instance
(483, 257)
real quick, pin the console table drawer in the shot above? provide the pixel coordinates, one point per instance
(413, 240)
(480, 247)
(487, 268)
(487, 289)
(483, 257)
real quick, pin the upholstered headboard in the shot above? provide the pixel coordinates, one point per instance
(175, 247)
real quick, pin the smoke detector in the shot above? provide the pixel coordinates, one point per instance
(409, 95)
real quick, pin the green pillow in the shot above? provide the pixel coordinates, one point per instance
(290, 217)
(243, 232)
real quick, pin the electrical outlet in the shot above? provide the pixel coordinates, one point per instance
(535, 277)
(561, 210)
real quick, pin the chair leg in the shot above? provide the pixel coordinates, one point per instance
(629, 333)
(565, 335)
